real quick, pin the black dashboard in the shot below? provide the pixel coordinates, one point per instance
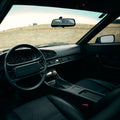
(61, 54)
(54, 55)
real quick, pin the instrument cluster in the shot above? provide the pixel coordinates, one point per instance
(21, 56)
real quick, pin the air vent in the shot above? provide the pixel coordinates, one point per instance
(49, 53)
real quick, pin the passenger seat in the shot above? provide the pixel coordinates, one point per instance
(96, 85)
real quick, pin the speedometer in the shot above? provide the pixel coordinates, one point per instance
(9, 61)
(28, 58)
(19, 59)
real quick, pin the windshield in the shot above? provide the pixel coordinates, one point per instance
(32, 25)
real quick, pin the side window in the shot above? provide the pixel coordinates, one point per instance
(113, 28)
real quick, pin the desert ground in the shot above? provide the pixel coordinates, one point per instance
(111, 29)
(45, 34)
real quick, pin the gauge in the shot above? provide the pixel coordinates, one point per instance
(10, 60)
(21, 56)
(19, 59)
(28, 58)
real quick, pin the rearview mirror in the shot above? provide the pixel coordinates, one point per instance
(63, 22)
(105, 39)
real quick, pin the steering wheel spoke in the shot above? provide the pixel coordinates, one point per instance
(14, 81)
(24, 70)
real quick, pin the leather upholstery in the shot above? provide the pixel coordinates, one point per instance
(54, 108)
(111, 112)
(46, 108)
(109, 107)
(68, 110)
(96, 85)
(12, 116)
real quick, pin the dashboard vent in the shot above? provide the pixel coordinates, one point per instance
(49, 53)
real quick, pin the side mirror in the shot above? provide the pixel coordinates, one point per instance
(105, 39)
(63, 22)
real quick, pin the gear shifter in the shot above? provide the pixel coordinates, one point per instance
(60, 82)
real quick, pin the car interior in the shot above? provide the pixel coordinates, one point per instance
(78, 81)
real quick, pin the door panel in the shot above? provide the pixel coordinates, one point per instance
(107, 57)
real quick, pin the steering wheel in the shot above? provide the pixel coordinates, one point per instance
(17, 72)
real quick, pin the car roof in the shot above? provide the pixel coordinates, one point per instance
(104, 6)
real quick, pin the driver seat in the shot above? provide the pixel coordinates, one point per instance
(46, 108)
(54, 108)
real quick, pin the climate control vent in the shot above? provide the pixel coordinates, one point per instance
(49, 54)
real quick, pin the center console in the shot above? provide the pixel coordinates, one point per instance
(60, 84)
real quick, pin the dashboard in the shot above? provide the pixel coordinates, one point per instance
(57, 55)
(54, 55)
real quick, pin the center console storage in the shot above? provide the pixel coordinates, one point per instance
(77, 90)
(60, 84)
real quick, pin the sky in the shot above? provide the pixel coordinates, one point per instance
(21, 15)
